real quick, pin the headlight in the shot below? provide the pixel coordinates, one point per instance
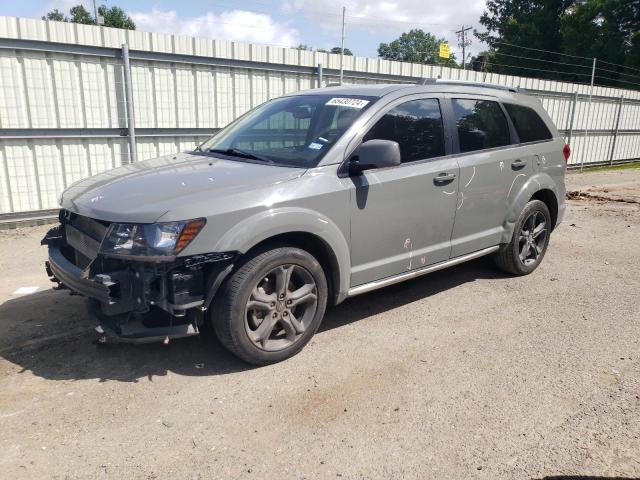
(150, 240)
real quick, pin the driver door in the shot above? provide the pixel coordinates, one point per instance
(402, 217)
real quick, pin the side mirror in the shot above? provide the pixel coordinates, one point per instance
(375, 154)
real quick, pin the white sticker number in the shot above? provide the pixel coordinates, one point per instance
(348, 102)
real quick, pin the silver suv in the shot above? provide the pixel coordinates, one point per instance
(306, 200)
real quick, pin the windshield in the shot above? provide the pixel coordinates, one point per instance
(294, 131)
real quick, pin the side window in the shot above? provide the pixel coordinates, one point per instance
(480, 123)
(416, 126)
(529, 125)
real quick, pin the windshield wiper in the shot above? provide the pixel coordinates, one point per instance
(234, 152)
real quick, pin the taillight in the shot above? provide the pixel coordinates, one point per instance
(566, 152)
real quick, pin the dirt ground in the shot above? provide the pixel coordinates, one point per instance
(464, 373)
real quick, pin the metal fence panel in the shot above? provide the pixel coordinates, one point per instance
(63, 107)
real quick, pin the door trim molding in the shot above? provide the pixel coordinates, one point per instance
(384, 282)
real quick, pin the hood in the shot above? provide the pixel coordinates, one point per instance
(144, 191)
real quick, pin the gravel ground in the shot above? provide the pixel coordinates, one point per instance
(465, 373)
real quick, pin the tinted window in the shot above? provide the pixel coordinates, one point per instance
(529, 125)
(481, 124)
(289, 131)
(416, 126)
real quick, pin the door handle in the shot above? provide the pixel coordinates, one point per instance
(444, 178)
(518, 164)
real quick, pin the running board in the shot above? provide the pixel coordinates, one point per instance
(385, 282)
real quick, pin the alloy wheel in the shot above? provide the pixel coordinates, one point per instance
(281, 307)
(532, 238)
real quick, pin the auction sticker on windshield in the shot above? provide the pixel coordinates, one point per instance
(348, 102)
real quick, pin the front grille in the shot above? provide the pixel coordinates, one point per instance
(83, 236)
(94, 228)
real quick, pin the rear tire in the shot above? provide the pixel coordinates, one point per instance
(271, 306)
(529, 241)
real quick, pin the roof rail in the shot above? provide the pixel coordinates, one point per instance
(439, 81)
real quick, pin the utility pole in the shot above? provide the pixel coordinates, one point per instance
(99, 19)
(344, 10)
(464, 43)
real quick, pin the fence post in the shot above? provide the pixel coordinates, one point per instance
(615, 132)
(319, 71)
(588, 119)
(574, 103)
(131, 120)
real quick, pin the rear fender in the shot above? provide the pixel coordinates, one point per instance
(536, 182)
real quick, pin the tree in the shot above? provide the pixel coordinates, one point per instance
(608, 30)
(79, 14)
(113, 17)
(478, 62)
(55, 15)
(415, 46)
(338, 50)
(534, 24)
(519, 30)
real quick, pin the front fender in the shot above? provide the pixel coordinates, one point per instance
(267, 224)
(536, 182)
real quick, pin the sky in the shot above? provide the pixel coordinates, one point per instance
(288, 22)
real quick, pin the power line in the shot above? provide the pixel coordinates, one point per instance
(540, 50)
(565, 54)
(618, 80)
(538, 69)
(540, 59)
(562, 73)
(619, 73)
(619, 65)
(566, 63)
(384, 21)
(364, 18)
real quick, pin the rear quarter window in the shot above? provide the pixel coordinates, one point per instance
(529, 126)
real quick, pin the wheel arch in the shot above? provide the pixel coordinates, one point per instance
(537, 187)
(299, 228)
(549, 198)
(313, 244)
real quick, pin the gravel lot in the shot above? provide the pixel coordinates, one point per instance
(465, 373)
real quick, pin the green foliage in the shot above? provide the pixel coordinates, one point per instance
(55, 15)
(338, 50)
(302, 46)
(606, 29)
(416, 46)
(79, 14)
(113, 17)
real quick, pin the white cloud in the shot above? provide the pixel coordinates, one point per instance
(388, 18)
(238, 25)
(64, 6)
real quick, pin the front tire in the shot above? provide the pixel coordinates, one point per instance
(529, 241)
(271, 306)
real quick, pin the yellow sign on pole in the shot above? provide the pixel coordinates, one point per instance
(444, 51)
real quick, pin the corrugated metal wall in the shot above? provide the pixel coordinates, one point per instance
(70, 78)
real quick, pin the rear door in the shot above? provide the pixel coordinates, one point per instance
(402, 217)
(535, 140)
(490, 168)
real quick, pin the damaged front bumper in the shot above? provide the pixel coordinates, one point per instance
(136, 300)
